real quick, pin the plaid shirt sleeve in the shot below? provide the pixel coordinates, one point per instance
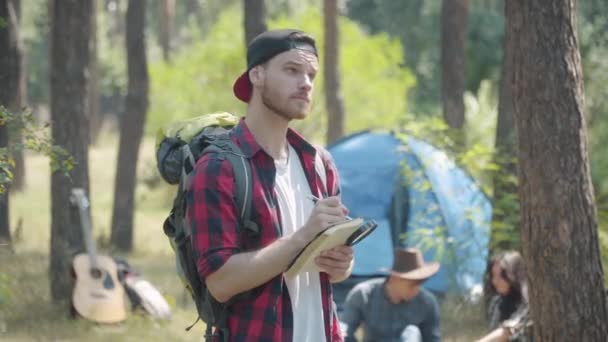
(211, 214)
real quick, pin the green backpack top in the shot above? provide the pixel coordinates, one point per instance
(178, 147)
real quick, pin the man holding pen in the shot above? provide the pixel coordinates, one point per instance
(277, 87)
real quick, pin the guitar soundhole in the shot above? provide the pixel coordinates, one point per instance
(96, 273)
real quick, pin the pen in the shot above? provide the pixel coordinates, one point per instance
(313, 198)
(316, 199)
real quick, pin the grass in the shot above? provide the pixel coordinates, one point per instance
(29, 315)
(26, 311)
(461, 321)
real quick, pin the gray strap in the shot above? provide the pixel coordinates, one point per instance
(188, 164)
(243, 182)
(244, 188)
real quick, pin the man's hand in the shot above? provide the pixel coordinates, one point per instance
(336, 262)
(326, 212)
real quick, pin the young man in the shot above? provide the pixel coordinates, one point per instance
(396, 308)
(277, 87)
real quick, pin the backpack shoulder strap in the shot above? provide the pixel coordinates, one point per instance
(243, 181)
(244, 187)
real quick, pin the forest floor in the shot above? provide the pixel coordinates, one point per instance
(29, 314)
(26, 311)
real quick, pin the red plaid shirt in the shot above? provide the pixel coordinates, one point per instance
(212, 214)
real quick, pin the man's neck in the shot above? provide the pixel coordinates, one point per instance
(389, 292)
(269, 130)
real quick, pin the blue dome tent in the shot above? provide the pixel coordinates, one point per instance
(413, 188)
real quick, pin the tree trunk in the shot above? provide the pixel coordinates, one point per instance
(167, 9)
(333, 96)
(6, 95)
(5, 223)
(70, 34)
(559, 224)
(504, 219)
(15, 136)
(18, 182)
(5, 228)
(93, 111)
(131, 128)
(10, 96)
(453, 33)
(254, 18)
(505, 126)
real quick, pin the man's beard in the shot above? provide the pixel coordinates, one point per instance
(268, 99)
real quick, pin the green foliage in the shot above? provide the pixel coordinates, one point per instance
(593, 42)
(372, 78)
(481, 112)
(485, 33)
(593, 37)
(602, 209)
(201, 77)
(199, 80)
(35, 31)
(428, 230)
(188, 25)
(483, 163)
(505, 208)
(36, 139)
(477, 155)
(491, 167)
(281, 8)
(111, 57)
(417, 24)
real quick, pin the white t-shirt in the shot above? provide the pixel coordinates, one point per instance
(292, 191)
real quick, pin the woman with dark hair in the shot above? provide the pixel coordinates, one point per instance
(508, 306)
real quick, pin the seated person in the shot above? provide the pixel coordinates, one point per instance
(396, 308)
(508, 314)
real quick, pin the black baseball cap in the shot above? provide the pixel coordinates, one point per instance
(264, 47)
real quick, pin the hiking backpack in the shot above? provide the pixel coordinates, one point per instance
(178, 147)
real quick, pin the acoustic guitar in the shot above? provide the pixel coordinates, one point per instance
(98, 295)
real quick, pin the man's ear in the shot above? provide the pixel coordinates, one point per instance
(257, 75)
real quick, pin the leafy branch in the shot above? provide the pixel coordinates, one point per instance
(36, 139)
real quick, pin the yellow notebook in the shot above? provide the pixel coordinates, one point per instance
(348, 232)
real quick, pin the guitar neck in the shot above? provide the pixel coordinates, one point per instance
(85, 222)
